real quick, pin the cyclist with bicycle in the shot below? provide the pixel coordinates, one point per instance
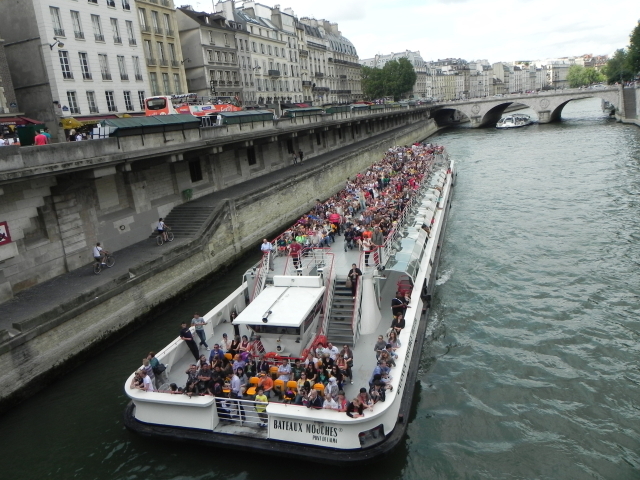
(100, 254)
(162, 229)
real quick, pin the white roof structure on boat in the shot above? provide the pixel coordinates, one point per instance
(288, 306)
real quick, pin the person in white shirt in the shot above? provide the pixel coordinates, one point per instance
(99, 253)
(162, 228)
(332, 351)
(330, 403)
(147, 384)
(266, 247)
(225, 343)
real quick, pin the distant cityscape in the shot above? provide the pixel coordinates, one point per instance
(459, 79)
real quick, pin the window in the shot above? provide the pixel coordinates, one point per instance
(226, 39)
(172, 55)
(253, 47)
(97, 28)
(104, 66)
(211, 39)
(136, 68)
(142, 16)
(218, 56)
(210, 55)
(269, 48)
(84, 65)
(58, 31)
(126, 5)
(167, 24)
(156, 22)
(277, 52)
(130, 34)
(91, 100)
(128, 104)
(165, 84)
(141, 97)
(122, 66)
(148, 51)
(241, 45)
(195, 170)
(77, 26)
(226, 58)
(153, 78)
(282, 50)
(161, 55)
(115, 28)
(176, 83)
(262, 48)
(73, 103)
(246, 45)
(251, 156)
(111, 101)
(64, 64)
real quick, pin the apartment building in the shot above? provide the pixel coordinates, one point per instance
(8, 102)
(210, 53)
(161, 44)
(84, 60)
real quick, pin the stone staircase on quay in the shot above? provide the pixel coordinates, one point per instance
(187, 220)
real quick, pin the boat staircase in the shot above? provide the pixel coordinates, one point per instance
(339, 330)
(187, 220)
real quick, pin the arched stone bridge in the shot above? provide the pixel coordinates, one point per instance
(547, 105)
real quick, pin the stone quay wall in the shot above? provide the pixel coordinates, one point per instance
(52, 342)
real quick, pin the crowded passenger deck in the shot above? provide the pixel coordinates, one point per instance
(280, 349)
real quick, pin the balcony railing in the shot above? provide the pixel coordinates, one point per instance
(170, 33)
(93, 110)
(153, 1)
(132, 42)
(79, 35)
(304, 52)
(126, 5)
(158, 30)
(236, 83)
(67, 75)
(319, 74)
(117, 40)
(99, 37)
(111, 3)
(138, 77)
(87, 76)
(166, 3)
(274, 73)
(343, 76)
(58, 32)
(112, 108)
(175, 63)
(306, 83)
(151, 62)
(164, 63)
(106, 76)
(145, 28)
(124, 76)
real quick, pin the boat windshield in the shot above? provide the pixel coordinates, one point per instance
(409, 256)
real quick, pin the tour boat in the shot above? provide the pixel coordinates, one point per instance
(295, 308)
(515, 120)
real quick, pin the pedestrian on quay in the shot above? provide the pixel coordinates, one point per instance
(187, 337)
(198, 322)
(295, 159)
(300, 155)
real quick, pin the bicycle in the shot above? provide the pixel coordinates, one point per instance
(109, 262)
(160, 240)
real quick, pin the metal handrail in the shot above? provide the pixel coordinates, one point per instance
(328, 297)
(357, 304)
(261, 279)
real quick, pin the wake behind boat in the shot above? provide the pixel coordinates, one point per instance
(515, 120)
(303, 319)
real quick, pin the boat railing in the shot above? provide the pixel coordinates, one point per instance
(239, 412)
(356, 317)
(261, 275)
(329, 275)
(309, 258)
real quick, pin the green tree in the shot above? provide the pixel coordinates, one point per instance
(372, 83)
(633, 53)
(579, 76)
(396, 79)
(617, 68)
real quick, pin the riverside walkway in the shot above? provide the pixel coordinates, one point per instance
(81, 286)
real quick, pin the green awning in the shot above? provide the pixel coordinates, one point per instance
(121, 127)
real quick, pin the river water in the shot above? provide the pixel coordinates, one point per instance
(530, 365)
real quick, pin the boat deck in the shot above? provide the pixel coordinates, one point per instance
(364, 360)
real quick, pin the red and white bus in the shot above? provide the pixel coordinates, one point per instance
(188, 104)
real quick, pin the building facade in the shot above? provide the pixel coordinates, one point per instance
(161, 43)
(85, 59)
(8, 101)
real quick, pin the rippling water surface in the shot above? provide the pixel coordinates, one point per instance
(530, 366)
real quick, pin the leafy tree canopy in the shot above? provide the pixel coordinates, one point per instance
(396, 79)
(633, 53)
(617, 68)
(579, 76)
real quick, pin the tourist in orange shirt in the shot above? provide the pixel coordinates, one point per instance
(266, 383)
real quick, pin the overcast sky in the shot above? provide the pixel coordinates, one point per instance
(496, 30)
